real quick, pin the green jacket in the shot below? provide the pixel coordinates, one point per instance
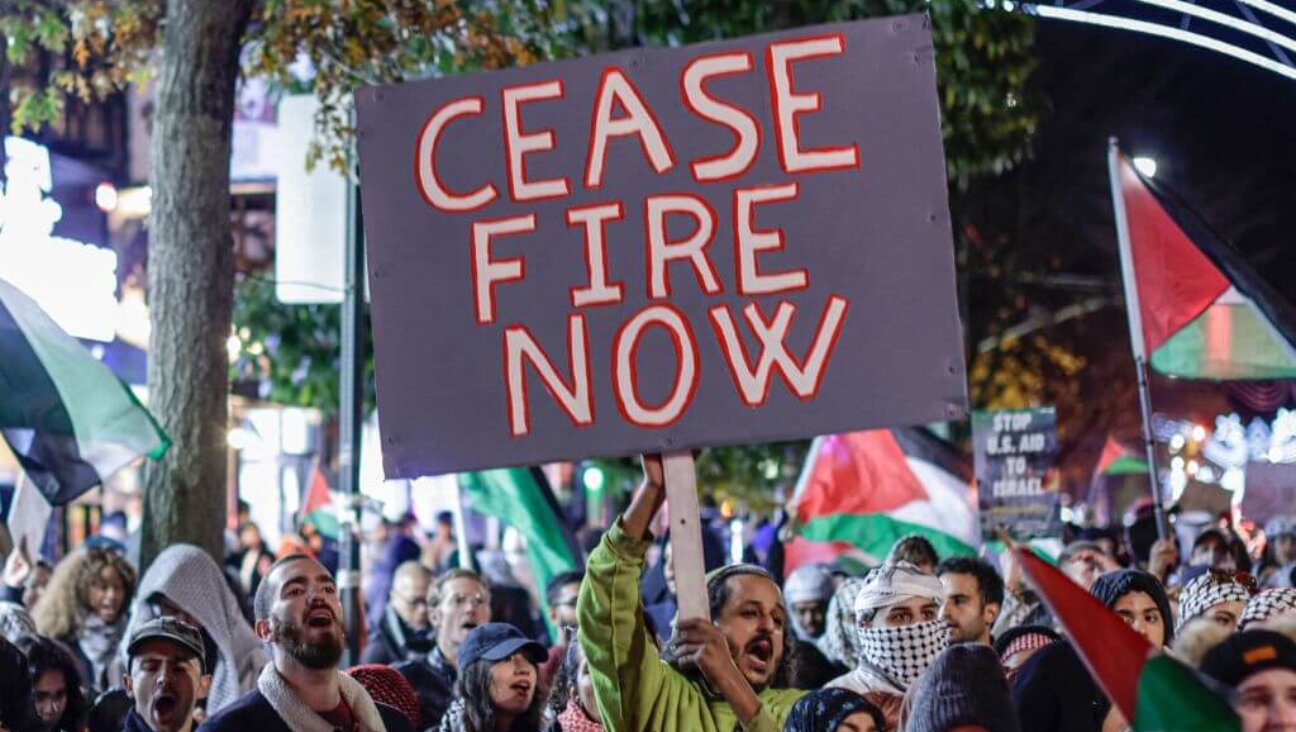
(636, 690)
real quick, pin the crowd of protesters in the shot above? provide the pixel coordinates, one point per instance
(919, 643)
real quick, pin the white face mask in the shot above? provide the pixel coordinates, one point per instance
(903, 653)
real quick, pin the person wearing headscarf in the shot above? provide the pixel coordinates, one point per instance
(840, 641)
(900, 631)
(572, 698)
(1016, 646)
(1217, 596)
(1268, 604)
(807, 591)
(965, 688)
(834, 710)
(1054, 692)
(186, 583)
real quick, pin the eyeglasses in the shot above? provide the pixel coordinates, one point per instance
(413, 601)
(460, 600)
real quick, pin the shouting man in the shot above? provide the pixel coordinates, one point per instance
(725, 671)
(164, 676)
(299, 615)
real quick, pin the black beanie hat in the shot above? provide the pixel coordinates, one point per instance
(964, 685)
(1243, 654)
(1110, 587)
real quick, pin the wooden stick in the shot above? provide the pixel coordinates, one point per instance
(686, 535)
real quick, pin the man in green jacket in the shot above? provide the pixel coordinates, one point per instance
(723, 670)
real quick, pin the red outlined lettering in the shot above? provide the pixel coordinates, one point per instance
(519, 144)
(789, 106)
(430, 186)
(625, 377)
(594, 220)
(802, 379)
(576, 400)
(661, 252)
(750, 241)
(747, 138)
(616, 88)
(487, 272)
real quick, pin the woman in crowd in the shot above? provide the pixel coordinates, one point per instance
(573, 694)
(1218, 596)
(833, 710)
(55, 684)
(84, 607)
(498, 685)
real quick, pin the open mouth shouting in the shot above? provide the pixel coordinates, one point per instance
(522, 687)
(321, 617)
(166, 709)
(758, 656)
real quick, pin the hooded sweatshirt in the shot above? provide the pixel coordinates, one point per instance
(192, 581)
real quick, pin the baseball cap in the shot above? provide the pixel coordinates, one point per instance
(1247, 653)
(496, 642)
(171, 629)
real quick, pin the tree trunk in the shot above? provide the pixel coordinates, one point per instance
(191, 272)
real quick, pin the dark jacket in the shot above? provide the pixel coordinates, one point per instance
(433, 680)
(133, 723)
(392, 641)
(1053, 692)
(253, 713)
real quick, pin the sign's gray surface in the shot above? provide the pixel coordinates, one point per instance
(661, 249)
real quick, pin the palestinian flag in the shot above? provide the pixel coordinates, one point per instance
(521, 498)
(317, 505)
(1152, 690)
(70, 422)
(1119, 479)
(1204, 312)
(862, 491)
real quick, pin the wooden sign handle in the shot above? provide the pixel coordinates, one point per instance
(686, 535)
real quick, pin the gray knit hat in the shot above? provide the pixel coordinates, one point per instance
(964, 686)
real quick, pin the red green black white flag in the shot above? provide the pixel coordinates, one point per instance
(70, 422)
(1197, 309)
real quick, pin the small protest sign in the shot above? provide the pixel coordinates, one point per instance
(1270, 491)
(1017, 485)
(661, 249)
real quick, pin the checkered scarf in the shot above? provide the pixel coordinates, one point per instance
(1205, 592)
(1025, 642)
(1268, 604)
(903, 653)
(840, 641)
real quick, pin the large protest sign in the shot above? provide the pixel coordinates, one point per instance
(661, 249)
(1270, 491)
(1017, 485)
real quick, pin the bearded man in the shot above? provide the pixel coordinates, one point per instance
(723, 673)
(900, 632)
(299, 615)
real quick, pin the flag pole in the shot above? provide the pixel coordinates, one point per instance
(461, 527)
(1135, 318)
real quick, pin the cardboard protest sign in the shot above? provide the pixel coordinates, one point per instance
(661, 249)
(1017, 485)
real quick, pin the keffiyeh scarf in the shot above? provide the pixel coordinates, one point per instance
(840, 641)
(903, 653)
(574, 719)
(1207, 591)
(301, 718)
(1267, 604)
